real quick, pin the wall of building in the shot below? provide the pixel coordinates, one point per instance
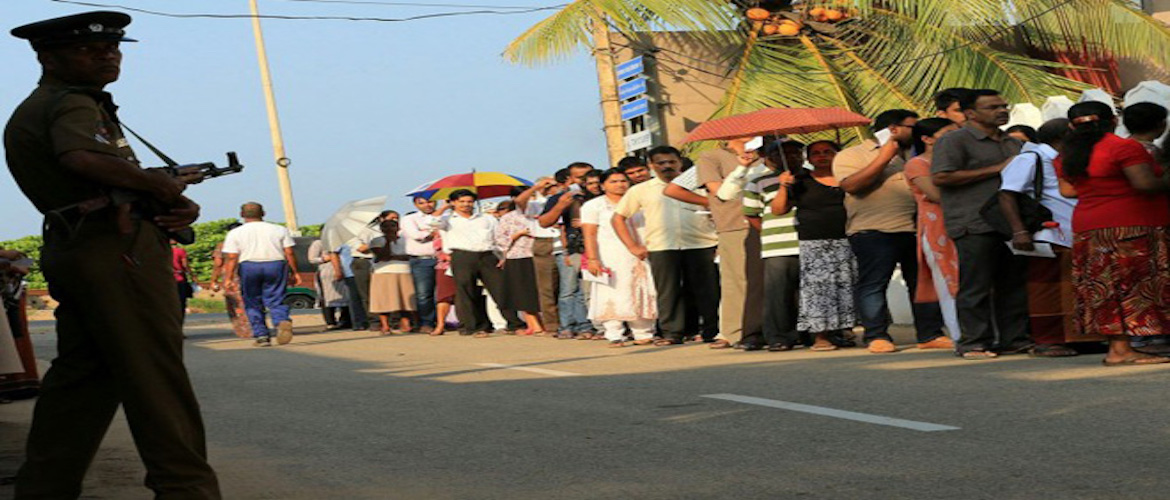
(686, 80)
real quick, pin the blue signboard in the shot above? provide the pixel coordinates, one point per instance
(632, 88)
(630, 69)
(634, 109)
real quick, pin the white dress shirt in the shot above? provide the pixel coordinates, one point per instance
(470, 234)
(417, 229)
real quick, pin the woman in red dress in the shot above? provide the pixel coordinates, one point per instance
(1121, 250)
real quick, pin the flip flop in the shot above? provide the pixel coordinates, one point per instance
(827, 346)
(977, 355)
(1137, 360)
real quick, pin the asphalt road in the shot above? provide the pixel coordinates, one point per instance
(355, 416)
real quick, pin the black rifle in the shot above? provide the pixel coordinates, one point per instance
(148, 208)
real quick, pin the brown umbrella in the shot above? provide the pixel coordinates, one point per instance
(776, 121)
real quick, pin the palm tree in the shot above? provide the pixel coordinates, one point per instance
(884, 53)
(587, 24)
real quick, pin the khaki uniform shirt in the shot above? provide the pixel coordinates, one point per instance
(51, 122)
(889, 206)
(714, 166)
(670, 224)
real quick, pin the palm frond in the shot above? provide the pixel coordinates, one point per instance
(554, 38)
(1100, 28)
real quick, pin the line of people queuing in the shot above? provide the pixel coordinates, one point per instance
(1009, 242)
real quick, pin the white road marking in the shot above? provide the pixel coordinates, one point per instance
(830, 412)
(542, 371)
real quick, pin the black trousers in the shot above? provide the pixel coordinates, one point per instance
(362, 271)
(781, 299)
(469, 269)
(335, 316)
(686, 280)
(993, 294)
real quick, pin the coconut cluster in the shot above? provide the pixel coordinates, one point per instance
(793, 22)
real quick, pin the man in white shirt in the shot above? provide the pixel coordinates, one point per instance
(1050, 290)
(470, 239)
(420, 237)
(263, 252)
(680, 245)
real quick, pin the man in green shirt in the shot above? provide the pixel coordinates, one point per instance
(780, 250)
(108, 265)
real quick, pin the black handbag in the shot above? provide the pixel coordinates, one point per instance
(1032, 213)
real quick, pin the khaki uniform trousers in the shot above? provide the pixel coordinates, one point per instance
(119, 343)
(741, 286)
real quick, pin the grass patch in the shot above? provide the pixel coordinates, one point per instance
(197, 305)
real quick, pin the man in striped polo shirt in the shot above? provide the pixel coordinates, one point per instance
(780, 250)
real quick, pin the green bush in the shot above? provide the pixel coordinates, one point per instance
(206, 305)
(30, 246)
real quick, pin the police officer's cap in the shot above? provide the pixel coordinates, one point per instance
(99, 26)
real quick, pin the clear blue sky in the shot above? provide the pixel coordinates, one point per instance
(367, 108)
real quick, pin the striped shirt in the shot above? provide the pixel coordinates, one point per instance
(778, 236)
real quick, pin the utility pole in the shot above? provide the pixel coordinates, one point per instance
(282, 161)
(611, 109)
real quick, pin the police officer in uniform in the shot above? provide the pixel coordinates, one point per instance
(108, 263)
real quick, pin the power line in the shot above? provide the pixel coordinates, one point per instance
(416, 4)
(313, 18)
(983, 39)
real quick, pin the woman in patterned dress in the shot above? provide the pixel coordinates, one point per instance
(1121, 247)
(514, 241)
(936, 251)
(828, 268)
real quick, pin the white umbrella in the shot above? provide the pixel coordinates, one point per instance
(350, 220)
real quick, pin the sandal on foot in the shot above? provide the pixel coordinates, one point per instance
(666, 342)
(823, 345)
(720, 344)
(977, 354)
(617, 343)
(1052, 351)
(644, 342)
(780, 347)
(481, 335)
(1143, 359)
